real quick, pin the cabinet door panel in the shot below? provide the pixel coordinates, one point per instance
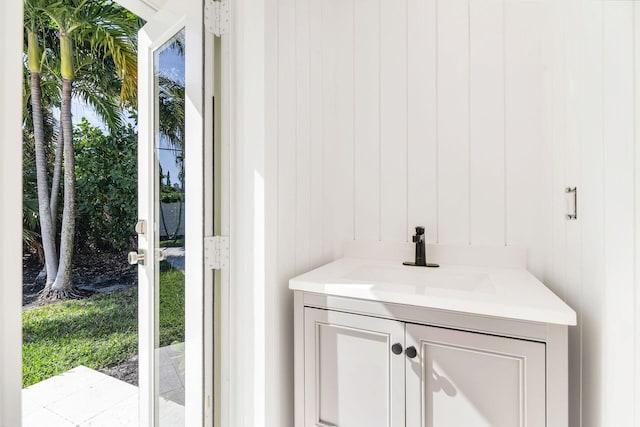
(352, 378)
(469, 379)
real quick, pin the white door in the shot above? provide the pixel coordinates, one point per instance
(354, 370)
(175, 355)
(457, 378)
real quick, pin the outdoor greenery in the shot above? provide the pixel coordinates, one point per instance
(96, 332)
(80, 183)
(74, 49)
(171, 305)
(106, 180)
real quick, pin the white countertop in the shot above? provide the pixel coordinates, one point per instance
(511, 293)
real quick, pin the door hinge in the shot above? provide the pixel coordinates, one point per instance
(216, 252)
(216, 17)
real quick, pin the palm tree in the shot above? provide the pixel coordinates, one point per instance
(34, 63)
(105, 95)
(90, 85)
(108, 33)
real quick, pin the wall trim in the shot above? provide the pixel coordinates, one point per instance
(11, 217)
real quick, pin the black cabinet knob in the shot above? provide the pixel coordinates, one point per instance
(396, 348)
(411, 352)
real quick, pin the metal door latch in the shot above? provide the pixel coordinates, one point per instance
(141, 227)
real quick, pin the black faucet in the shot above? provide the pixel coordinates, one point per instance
(421, 252)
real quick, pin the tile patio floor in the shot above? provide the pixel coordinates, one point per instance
(84, 397)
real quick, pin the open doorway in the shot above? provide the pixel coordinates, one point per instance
(80, 132)
(199, 399)
(106, 323)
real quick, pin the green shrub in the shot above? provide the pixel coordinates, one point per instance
(107, 186)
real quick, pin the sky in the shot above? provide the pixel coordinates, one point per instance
(172, 65)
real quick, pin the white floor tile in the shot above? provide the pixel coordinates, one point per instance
(56, 388)
(86, 398)
(89, 401)
(170, 413)
(42, 417)
(124, 414)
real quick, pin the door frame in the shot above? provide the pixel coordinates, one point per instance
(11, 219)
(204, 180)
(11, 215)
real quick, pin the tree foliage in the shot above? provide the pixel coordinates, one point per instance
(106, 180)
(74, 49)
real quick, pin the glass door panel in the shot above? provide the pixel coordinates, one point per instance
(169, 206)
(175, 306)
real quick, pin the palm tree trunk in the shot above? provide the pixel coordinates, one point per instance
(63, 286)
(44, 208)
(55, 183)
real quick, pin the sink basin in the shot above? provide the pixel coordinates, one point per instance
(512, 293)
(419, 279)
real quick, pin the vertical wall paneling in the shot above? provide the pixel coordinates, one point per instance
(618, 216)
(329, 106)
(422, 154)
(528, 221)
(338, 122)
(393, 120)
(486, 122)
(453, 121)
(556, 181)
(316, 137)
(286, 137)
(572, 283)
(303, 136)
(408, 123)
(561, 71)
(366, 119)
(274, 298)
(636, 129)
(591, 212)
(287, 186)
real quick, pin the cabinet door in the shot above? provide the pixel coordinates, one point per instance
(469, 379)
(352, 377)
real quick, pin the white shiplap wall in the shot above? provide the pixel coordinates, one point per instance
(386, 115)
(595, 260)
(415, 112)
(469, 117)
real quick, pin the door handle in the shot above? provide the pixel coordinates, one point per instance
(411, 352)
(396, 348)
(136, 258)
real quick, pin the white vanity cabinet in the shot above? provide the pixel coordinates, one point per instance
(460, 378)
(352, 378)
(379, 345)
(366, 371)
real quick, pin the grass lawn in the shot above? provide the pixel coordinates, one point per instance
(97, 332)
(171, 305)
